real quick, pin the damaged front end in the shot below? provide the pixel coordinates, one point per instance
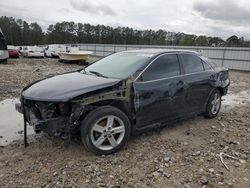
(54, 118)
(52, 108)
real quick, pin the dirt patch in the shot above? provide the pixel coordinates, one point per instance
(181, 155)
(239, 81)
(17, 73)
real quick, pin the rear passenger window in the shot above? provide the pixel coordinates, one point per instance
(191, 63)
(163, 67)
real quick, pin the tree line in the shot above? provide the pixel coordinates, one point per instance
(19, 32)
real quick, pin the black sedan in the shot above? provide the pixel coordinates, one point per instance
(123, 94)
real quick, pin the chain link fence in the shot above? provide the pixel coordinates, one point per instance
(232, 58)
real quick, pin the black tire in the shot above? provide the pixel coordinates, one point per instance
(90, 120)
(210, 113)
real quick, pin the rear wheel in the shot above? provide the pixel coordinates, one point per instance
(105, 130)
(213, 104)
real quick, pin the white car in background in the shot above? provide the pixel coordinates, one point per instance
(33, 51)
(53, 50)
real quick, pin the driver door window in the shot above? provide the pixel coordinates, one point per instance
(163, 67)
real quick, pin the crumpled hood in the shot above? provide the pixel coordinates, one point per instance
(66, 86)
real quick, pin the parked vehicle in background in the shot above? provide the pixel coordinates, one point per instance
(53, 50)
(13, 52)
(4, 55)
(20, 50)
(33, 51)
(123, 94)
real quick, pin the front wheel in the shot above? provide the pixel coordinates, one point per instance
(213, 104)
(105, 130)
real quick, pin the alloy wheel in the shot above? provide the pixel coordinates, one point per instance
(215, 103)
(107, 132)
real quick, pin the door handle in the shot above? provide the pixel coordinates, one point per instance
(180, 83)
(212, 77)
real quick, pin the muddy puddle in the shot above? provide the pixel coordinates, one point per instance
(11, 121)
(232, 100)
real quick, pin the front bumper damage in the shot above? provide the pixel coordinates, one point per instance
(53, 126)
(49, 117)
(62, 117)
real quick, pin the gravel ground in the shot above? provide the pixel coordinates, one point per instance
(181, 155)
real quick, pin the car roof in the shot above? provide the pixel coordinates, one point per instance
(56, 45)
(157, 51)
(11, 47)
(33, 47)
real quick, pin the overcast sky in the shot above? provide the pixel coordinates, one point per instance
(221, 18)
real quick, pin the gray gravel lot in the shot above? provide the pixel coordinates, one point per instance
(182, 155)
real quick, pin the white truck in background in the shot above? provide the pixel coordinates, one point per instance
(52, 50)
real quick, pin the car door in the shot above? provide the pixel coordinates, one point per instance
(159, 91)
(197, 81)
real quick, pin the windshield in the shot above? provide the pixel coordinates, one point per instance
(118, 65)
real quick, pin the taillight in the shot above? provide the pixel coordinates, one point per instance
(223, 75)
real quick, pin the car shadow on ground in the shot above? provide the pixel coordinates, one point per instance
(177, 132)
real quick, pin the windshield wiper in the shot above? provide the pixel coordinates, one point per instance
(98, 74)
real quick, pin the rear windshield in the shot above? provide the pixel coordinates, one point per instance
(209, 61)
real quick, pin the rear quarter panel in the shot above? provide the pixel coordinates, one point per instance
(222, 78)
